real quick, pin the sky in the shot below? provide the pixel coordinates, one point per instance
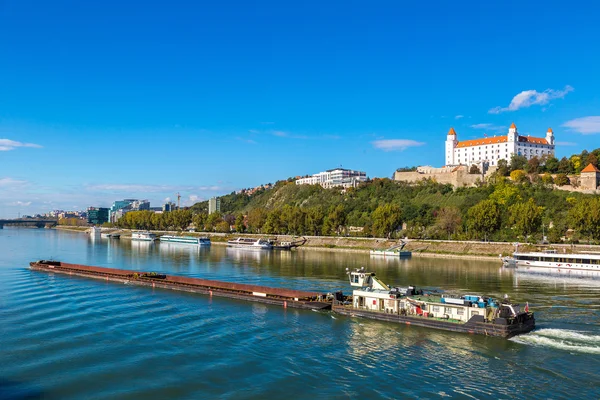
(105, 100)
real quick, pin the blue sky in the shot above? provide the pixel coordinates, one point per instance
(101, 101)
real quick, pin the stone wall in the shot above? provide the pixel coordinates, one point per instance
(457, 177)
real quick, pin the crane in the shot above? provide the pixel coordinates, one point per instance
(178, 197)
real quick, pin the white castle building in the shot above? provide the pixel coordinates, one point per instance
(492, 149)
(335, 177)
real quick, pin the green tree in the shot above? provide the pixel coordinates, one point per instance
(198, 220)
(517, 162)
(503, 169)
(314, 220)
(584, 217)
(386, 219)
(448, 220)
(526, 217)
(256, 219)
(484, 218)
(547, 179)
(335, 220)
(505, 194)
(565, 166)
(474, 169)
(223, 227)
(551, 165)
(239, 223)
(519, 176)
(561, 180)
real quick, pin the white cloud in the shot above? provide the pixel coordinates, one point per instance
(7, 145)
(459, 116)
(489, 127)
(395, 144)
(584, 125)
(10, 182)
(528, 98)
(20, 203)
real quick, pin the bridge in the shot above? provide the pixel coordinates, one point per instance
(29, 222)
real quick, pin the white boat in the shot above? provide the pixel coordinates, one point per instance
(200, 241)
(551, 260)
(249, 243)
(394, 251)
(143, 236)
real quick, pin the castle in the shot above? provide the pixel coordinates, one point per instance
(490, 150)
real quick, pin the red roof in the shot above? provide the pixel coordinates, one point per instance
(590, 168)
(479, 142)
(534, 140)
(452, 132)
(513, 126)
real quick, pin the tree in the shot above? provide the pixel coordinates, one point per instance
(448, 220)
(484, 218)
(561, 180)
(519, 176)
(551, 165)
(584, 217)
(526, 217)
(505, 194)
(474, 169)
(314, 220)
(533, 166)
(592, 159)
(223, 227)
(565, 166)
(517, 162)
(547, 179)
(335, 219)
(256, 219)
(198, 220)
(239, 223)
(386, 219)
(503, 169)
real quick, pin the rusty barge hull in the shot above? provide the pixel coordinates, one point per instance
(474, 325)
(260, 294)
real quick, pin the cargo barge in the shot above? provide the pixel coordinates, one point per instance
(261, 294)
(468, 313)
(374, 300)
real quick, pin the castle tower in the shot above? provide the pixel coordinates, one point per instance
(451, 142)
(512, 133)
(550, 136)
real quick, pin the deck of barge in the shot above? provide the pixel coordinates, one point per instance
(261, 294)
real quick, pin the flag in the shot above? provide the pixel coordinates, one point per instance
(527, 307)
(485, 135)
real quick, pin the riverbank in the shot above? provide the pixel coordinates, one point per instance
(419, 248)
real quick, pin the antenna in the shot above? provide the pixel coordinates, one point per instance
(178, 197)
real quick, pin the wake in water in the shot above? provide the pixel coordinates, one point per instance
(562, 339)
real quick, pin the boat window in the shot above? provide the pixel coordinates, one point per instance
(448, 310)
(474, 312)
(436, 309)
(460, 311)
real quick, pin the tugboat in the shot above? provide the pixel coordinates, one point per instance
(469, 313)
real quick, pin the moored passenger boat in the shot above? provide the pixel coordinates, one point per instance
(250, 243)
(552, 260)
(143, 236)
(468, 313)
(200, 241)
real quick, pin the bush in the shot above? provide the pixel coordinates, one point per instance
(561, 180)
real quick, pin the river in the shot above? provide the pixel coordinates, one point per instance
(68, 337)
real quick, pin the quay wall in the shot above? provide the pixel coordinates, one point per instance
(424, 248)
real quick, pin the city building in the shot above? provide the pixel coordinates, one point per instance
(121, 207)
(97, 215)
(334, 178)
(214, 205)
(168, 207)
(490, 150)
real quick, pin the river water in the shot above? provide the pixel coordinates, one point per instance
(68, 337)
